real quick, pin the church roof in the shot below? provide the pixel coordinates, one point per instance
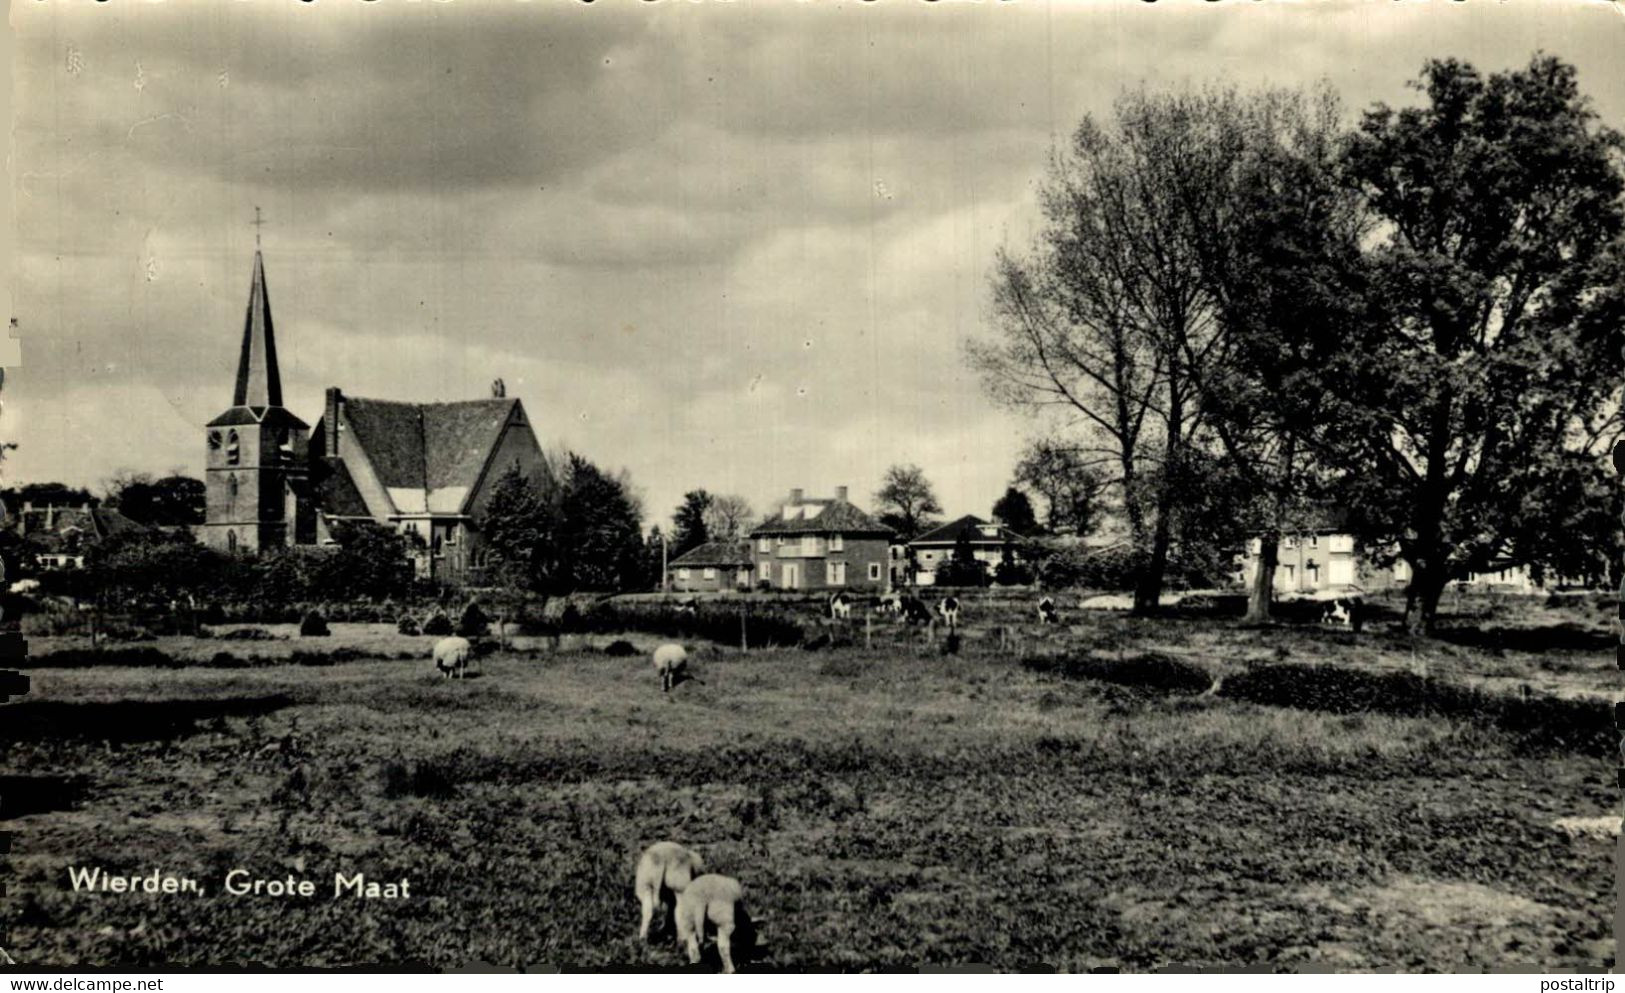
(257, 415)
(428, 455)
(336, 492)
(258, 383)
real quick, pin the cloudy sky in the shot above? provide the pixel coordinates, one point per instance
(730, 245)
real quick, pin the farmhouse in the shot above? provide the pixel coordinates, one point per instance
(988, 542)
(817, 544)
(60, 536)
(423, 470)
(712, 566)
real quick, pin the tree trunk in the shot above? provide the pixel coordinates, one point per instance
(1422, 599)
(1148, 591)
(1262, 592)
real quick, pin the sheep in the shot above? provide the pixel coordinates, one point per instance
(671, 662)
(451, 656)
(24, 586)
(718, 900)
(1047, 614)
(664, 871)
(840, 605)
(948, 607)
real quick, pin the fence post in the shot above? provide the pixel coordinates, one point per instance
(744, 645)
(868, 630)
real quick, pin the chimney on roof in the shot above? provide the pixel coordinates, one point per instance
(330, 422)
(795, 496)
(840, 493)
(499, 389)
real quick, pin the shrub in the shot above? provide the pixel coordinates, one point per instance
(407, 624)
(314, 625)
(620, 649)
(226, 660)
(437, 624)
(1152, 671)
(473, 623)
(1012, 574)
(957, 572)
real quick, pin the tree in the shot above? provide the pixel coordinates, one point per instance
(906, 501)
(599, 536)
(42, 494)
(1278, 237)
(171, 500)
(1489, 375)
(1016, 511)
(518, 530)
(1070, 487)
(1105, 324)
(371, 562)
(689, 529)
(728, 517)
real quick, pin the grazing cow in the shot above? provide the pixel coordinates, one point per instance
(671, 661)
(1047, 614)
(689, 606)
(840, 605)
(915, 611)
(1343, 612)
(451, 657)
(948, 607)
(890, 603)
(715, 900)
(664, 871)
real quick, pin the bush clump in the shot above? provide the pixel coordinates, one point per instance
(620, 649)
(1150, 671)
(407, 624)
(83, 658)
(437, 624)
(473, 623)
(313, 625)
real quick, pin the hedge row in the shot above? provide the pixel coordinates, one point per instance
(1151, 670)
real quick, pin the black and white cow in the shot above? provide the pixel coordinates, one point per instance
(1344, 612)
(1047, 614)
(948, 607)
(840, 605)
(889, 603)
(915, 611)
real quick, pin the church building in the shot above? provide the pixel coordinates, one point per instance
(423, 470)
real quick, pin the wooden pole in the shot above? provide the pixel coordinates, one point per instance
(744, 608)
(868, 630)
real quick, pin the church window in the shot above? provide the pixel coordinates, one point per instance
(231, 486)
(231, 448)
(214, 441)
(231, 542)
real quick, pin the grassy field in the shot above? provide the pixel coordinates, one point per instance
(885, 809)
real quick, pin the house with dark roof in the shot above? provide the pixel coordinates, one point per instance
(423, 470)
(989, 542)
(59, 537)
(821, 544)
(712, 567)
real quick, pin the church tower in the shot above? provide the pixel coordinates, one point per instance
(255, 470)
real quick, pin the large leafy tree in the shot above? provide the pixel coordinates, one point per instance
(1485, 390)
(599, 534)
(168, 500)
(1016, 511)
(689, 522)
(1070, 486)
(906, 501)
(728, 517)
(1105, 324)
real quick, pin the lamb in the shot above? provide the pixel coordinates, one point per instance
(451, 656)
(948, 607)
(718, 900)
(671, 662)
(840, 605)
(1047, 614)
(664, 871)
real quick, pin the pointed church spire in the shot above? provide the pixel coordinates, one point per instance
(258, 384)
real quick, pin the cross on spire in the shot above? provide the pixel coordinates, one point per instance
(257, 222)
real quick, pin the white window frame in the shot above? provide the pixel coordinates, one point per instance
(809, 545)
(682, 573)
(1314, 541)
(709, 573)
(835, 573)
(764, 544)
(874, 571)
(837, 543)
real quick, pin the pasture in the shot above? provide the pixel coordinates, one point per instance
(886, 808)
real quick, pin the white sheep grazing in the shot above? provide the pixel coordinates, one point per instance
(718, 900)
(451, 656)
(664, 871)
(671, 661)
(25, 586)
